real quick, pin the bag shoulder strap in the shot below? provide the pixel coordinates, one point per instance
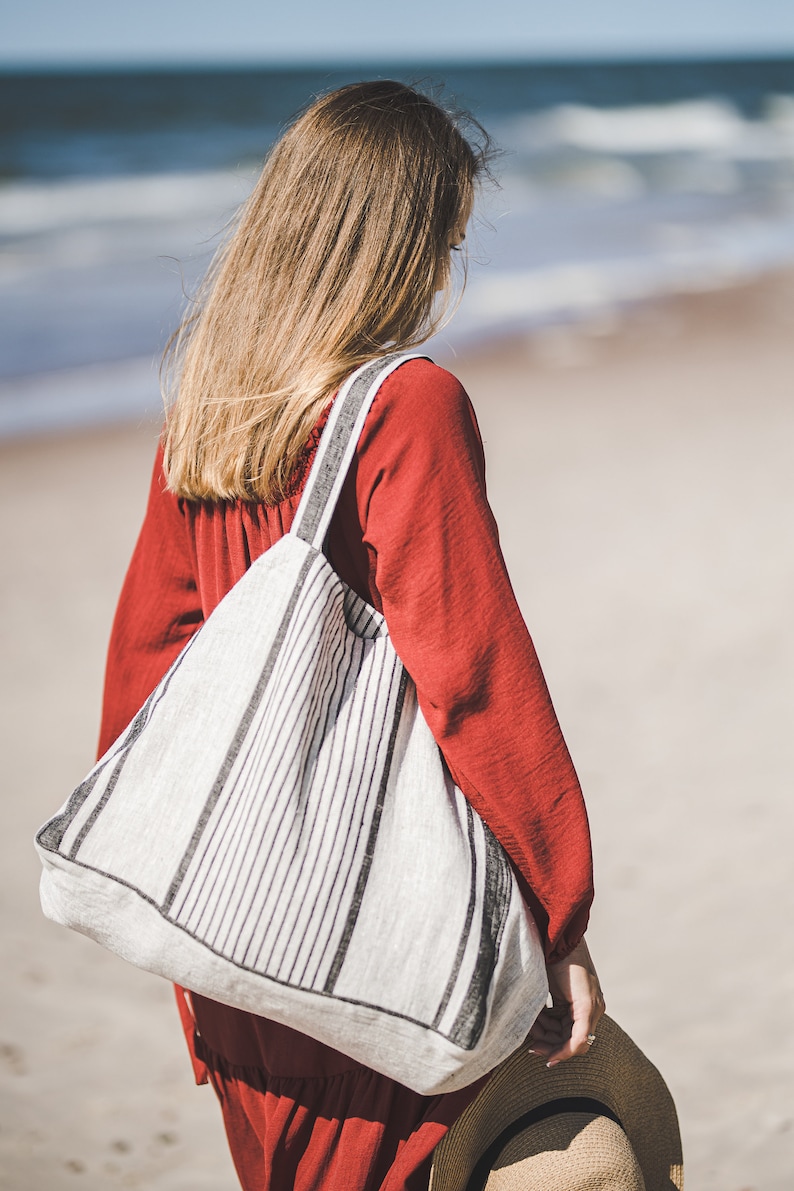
(338, 445)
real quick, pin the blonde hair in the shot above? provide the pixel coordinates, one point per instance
(336, 259)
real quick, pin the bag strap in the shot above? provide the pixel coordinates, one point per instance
(338, 445)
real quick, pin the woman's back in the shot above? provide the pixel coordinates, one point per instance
(413, 535)
(339, 257)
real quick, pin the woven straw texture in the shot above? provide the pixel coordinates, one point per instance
(570, 1151)
(573, 1150)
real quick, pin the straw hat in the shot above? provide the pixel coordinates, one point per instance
(604, 1121)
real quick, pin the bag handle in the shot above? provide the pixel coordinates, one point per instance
(338, 445)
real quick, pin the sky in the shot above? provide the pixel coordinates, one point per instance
(96, 32)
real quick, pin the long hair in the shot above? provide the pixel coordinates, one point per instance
(337, 258)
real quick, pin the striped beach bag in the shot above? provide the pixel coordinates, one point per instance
(276, 828)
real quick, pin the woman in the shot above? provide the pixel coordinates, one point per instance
(338, 258)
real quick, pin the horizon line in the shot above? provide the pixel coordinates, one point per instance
(448, 61)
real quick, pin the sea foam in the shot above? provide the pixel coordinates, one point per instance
(599, 207)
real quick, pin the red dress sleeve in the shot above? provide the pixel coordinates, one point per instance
(158, 610)
(439, 575)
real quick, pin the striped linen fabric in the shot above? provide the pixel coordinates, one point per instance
(277, 829)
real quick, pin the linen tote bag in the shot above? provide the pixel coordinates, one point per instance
(276, 828)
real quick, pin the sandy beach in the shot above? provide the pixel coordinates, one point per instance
(640, 470)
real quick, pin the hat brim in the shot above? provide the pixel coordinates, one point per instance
(614, 1080)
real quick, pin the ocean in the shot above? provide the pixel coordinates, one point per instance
(618, 181)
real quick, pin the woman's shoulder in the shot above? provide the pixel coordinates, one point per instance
(424, 398)
(422, 422)
(419, 378)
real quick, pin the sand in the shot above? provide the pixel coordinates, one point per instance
(640, 469)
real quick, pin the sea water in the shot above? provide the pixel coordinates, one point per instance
(618, 182)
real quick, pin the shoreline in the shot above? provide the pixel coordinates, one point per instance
(73, 400)
(640, 475)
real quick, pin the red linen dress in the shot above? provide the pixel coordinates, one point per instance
(414, 535)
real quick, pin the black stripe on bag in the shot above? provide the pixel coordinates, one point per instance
(298, 884)
(239, 828)
(496, 902)
(363, 811)
(552, 1108)
(354, 799)
(464, 938)
(364, 871)
(239, 737)
(135, 729)
(260, 817)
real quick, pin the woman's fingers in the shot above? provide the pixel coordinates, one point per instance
(575, 981)
(576, 1044)
(552, 1024)
(549, 1032)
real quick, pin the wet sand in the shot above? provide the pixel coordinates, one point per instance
(641, 474)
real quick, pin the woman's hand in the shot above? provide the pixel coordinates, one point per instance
(578, 1005)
